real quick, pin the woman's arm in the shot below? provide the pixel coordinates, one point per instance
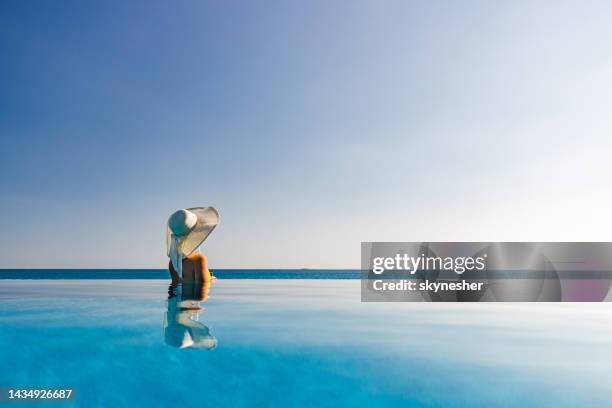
(206, 276)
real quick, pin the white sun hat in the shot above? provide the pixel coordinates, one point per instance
(186, 230)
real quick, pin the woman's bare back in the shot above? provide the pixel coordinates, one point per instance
(195, 269)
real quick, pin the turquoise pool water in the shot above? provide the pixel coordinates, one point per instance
(296, 343)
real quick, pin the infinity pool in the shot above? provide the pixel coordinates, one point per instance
(296, 343)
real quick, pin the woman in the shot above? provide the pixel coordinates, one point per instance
(186, 231)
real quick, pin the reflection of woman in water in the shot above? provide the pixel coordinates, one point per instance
(186, 231)
(182, 328)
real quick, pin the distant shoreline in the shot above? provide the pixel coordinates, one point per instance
(163, 273)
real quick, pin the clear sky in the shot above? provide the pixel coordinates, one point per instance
(311, 126)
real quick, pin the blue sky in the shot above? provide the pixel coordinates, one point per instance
(311, 126)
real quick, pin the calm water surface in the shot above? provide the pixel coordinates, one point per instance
(297, 343)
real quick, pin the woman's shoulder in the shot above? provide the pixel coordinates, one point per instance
(197, 256)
